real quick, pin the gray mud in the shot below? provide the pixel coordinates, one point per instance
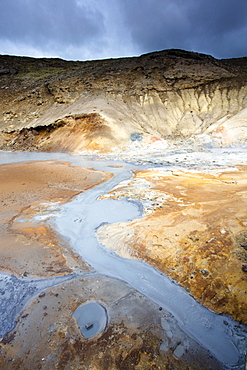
(79, 220)
(15, 293)
(92, 318)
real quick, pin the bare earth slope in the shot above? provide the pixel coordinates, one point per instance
(51, 104)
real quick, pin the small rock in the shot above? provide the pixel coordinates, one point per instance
(164, 347)
(244, 268)
(41, 295)
(8, 337)
(164, 324)
(204, 272)
(89, 325)
(51, 328)
(210, 240)
(179, 351)
(186, 259)
(25, 315)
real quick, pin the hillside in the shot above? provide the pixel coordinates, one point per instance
(57, 105)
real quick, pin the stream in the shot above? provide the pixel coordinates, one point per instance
(78, 220)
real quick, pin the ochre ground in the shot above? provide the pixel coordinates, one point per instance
(196, 235)
(28, 190)
(173, 238)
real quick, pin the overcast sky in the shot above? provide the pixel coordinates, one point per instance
(93, 29)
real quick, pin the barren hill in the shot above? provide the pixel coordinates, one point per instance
(57, 105)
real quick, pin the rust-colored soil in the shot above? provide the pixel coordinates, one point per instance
(196, 234)
(27, 190)
(47, 335)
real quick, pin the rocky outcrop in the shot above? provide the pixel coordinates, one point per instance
(167, 95)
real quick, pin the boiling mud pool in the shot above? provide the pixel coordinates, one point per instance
(78, 221)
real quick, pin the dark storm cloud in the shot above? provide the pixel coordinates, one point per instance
(48, 21)
(217, 27)
(90, 29)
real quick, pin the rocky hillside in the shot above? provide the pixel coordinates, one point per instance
(57, 105)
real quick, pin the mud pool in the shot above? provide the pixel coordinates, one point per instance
(92, 318)
(78, 220)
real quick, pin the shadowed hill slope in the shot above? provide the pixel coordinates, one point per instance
(57, 105)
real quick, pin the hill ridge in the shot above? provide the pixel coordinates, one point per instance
(166, 94)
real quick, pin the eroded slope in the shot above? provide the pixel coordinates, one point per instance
(168, 94)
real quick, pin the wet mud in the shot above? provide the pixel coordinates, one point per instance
(139, 334)
(39, 326)
(194, 230)
(30, 192)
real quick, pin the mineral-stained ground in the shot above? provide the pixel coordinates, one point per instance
(33, 189)
(194, 230)
(139, 334)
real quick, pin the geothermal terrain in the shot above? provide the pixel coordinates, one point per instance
(123, 212)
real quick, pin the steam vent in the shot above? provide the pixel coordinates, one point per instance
(123, 213)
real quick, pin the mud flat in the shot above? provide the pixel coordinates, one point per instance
(194, 230)
(140, 332)
(30, 191)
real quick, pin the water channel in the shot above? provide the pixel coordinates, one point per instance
(78, 221)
